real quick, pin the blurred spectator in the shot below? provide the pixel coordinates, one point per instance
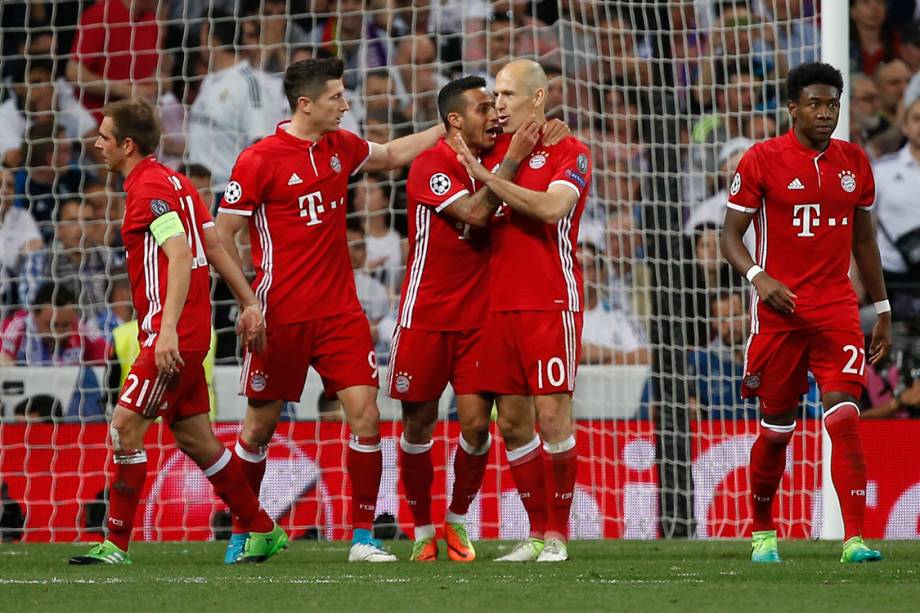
(734, 103)
(19, 237)
(38, 408)
(278, 33)
(76, 259)
(200, 176)
(119, 307)
(609, 336)
(910, 45)
(624, 59)
(706, 273)
(555, 93)
(629, 281)
(797, 33)
(873, 40)
(623, 143)
(372, 294)
(36, 97)
(50, 334)
(718, 368)
(887, 396)
(891, 79)
(235, 105)
(898, 212)
(115, 52)
(415, 63)
(866, 119)
(386, 249)
(47, 175)
(12, 516)
(511, 31)
(361, 45)
(711, 212)
(761, 126)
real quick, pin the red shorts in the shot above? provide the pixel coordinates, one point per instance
(777, 364)
(530, 353)
(173, 397)
(338, 347)
(423, 361)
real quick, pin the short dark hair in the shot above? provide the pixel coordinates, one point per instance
(451, 99)
(196, 170)
(224, 28)
(308, 78)
(814, 73)
(39, 144)
(51, 294)
(135, 118)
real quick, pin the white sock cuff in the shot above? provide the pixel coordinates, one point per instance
(219, 465)
(780, 429)
(414, 448)
(520, 452)
(138, 457)
(243, 454)
(560, 447)
(354, 444)
(839, 406)
(476, 451)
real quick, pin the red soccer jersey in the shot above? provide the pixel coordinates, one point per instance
(155, 190)
(446, 282)
(115, 45)
(533, 265)
(803, 204)
(294, 193)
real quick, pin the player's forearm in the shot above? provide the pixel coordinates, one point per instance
(178, 279)
(732, 244)
(403, 150)
(507, 171)
(544, 206)
(92, 83)
(869, 264)
(231, 272)
(226, 236)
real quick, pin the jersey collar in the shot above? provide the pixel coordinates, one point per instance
(794, 142)
(287, 137)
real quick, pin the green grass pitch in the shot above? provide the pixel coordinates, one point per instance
(602, 575)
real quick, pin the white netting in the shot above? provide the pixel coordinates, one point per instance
(667, 95)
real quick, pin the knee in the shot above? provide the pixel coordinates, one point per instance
(515, 433)
(555, 424)
(475, 430)
(125, 436)
(260, 422)
(364, 420)
(417, 430)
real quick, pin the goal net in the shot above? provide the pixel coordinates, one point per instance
(667, 94)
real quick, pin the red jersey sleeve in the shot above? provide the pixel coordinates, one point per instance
(434, 183)
(147, 202)
(246, 189)
(355, 150)
(573, 167)
(746, 191)
(867, 182)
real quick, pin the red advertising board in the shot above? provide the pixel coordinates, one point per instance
(55, 470)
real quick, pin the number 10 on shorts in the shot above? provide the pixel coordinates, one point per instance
(554, 372)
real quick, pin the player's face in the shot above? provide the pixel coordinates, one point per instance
(513, 102)
(480, 120)
(816, 112)
(113, 154)
(327, 110)
(912, 124)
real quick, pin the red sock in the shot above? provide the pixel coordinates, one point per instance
(252, 463)
(365, 466)
(417, 475)
(130, 472)
(768, 461)
(848, 465)
(561, 463)
(226, 475)
(527, 469)
(469, 468)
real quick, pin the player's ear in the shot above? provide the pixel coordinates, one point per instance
(538, 97)
(455, 120)
(304, 104)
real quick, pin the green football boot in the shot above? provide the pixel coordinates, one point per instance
(764, 547)
(105, 552)
(855, 551)
(263, 545)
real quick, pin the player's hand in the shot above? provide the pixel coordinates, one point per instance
(881, 339)
(473, 167)
(166, 354)
(250, 326)
(523, 141)
(554, 131)
(774, 293)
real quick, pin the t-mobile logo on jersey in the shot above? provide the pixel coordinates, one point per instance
(315, 207)
(807, 217)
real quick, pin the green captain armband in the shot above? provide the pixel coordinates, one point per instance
(166, 226)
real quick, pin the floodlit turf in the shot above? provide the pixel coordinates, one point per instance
(608, 575)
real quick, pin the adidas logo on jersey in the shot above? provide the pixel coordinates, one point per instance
(295, 180)
(796, 184)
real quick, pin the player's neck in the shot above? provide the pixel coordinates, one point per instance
(130, 164)
(452, 143)
(818, 146)
(300, 128)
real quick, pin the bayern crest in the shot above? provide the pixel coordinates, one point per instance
(847, 181)
(402, 383)
(335, 163)
(538, 160)
(257, 381)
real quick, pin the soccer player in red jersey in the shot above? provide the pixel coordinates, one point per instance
(443, 307)
(532, 337)
(809, 196)
(290, 189)
(170, 239)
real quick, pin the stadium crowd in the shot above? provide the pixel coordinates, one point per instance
(214, 70)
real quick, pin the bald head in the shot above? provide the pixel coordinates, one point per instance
(527, 74)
